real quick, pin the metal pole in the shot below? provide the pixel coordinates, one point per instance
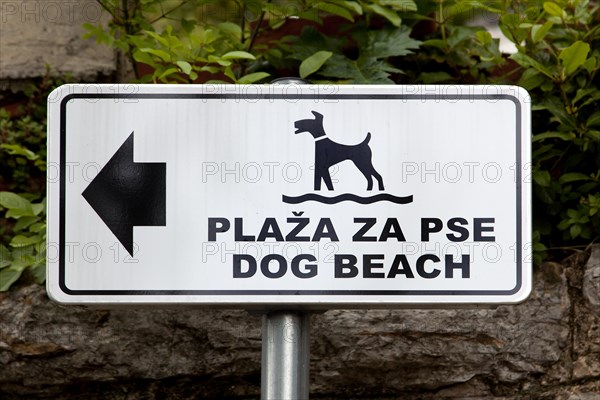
(290, 81)
(285, 342)
(285, 355)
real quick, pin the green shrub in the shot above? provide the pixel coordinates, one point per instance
(559, 56)
(27, 247)
(23, 187)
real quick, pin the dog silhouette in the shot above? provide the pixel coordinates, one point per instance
(329, 153)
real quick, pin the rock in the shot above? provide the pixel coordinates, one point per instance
(387, 352)
(552, 272)
(34, 33)
(586, 330)
(46, 346)
(591, 280)
(548, 347)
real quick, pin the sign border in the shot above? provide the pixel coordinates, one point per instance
(275, 96)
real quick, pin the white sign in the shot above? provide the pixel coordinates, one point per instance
(285, 195)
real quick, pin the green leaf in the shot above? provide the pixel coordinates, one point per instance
(387, 13)
(539, 32)
(163, 55)
(553, 9)
(509, 25)
(335, 10)
(185, 66)
(17, 205)
(22, 241)
(210, 68)
(460, 36)
(434, 77)
(371, 66)
(18, 150)
(5, 256)
(253, 77)
(573, 176)
(590, 64)
(539, 246)
(590, 93)
(98, 31)
(167, 72)
(531, 79)
(40, 248)
(275, 53)
(526, 61)
(158, 38)
(593, 134)
(484, 37)
(8, 276)
(39, 273)
(188, 24)
(14, 201)
(218, 60)
(557, 108)
(564, 224)
(574, 56)
(400, 5)
(350, 5)
(23, 261)
(24, 222)
(88, 27)
(542, 178)
(437, 43)
(217, 82)
(314, 63)
(573, 214)
(387, 43)
(593, 120)
(228, 72)
(575, 230)
(231, 29)
(238, 54)
(18, 213)
(37, 227)
(362, 71)
(554, 135)
(144, 58)
(38, 208)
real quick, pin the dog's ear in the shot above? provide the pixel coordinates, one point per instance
(317, 115)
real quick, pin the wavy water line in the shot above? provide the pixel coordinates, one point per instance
(346, 197)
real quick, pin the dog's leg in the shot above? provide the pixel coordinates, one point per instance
(369, 182)
(373, 173)
(365, 167)
(317, 179)
(379, 179)
(327, 179)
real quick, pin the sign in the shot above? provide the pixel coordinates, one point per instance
(314, 196)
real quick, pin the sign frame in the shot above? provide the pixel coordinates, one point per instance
(58, 114)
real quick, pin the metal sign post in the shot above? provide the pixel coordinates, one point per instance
(285, 355)
(285, 343)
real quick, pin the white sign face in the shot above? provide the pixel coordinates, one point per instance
(285, 195)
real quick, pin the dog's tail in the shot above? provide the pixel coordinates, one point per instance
(367, 139)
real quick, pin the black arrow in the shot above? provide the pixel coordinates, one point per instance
(125, 194)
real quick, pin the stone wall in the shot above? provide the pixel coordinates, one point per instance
(545, 348)
(36, 33)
